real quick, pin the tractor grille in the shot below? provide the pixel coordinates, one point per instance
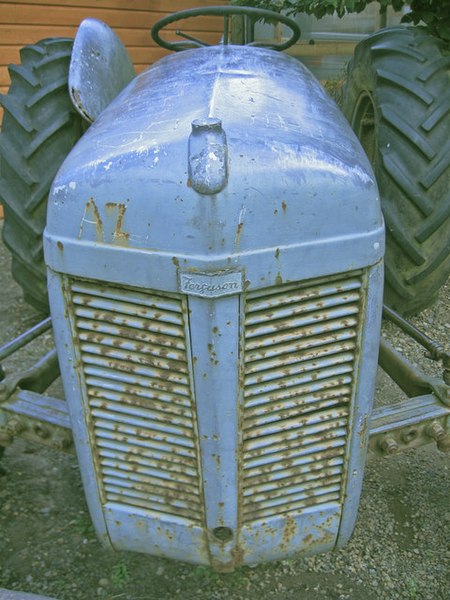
(299, 368)
(133, 352)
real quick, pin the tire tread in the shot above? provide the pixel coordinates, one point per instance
(39, 128)
(406, 72)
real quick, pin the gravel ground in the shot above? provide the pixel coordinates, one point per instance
(400, 547)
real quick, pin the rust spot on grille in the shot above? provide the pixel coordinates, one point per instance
(284, 206)
(60, 245)
(294, 434)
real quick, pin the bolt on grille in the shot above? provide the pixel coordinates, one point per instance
(300, 346)
(132, 348)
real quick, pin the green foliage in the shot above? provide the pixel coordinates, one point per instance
(434, 13)
(83, 525)
(411, 587)
(120, 575)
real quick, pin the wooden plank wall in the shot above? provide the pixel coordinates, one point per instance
(24, 22)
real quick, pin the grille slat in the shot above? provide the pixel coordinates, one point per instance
(132, 348)
(104, 306)
(174, 412)
(116, 343)
(291, 484)
(266, 413)
(269, 333)
(300, 350)
(153, 465)
(320, 498)
(88, 290)
(309, 424)
(141, 501)
(121, 375)
(162, 489)
(294, 374)
(271, 419)
(120, 467)
(300, 488)
(261, 480)
(138, 358)
(294, 356)
(156, 341)
(297, 340)
(285, 311)
(294, 456)
(119, 421)
(165, 500)
(296, 293)
(163, 378)
(131, 448)
(136, 322)
(309, 383)
(149, 440)
(137, 389)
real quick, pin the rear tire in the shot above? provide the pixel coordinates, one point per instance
(397, 100)
(39, 128)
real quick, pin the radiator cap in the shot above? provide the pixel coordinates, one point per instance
(208, 169)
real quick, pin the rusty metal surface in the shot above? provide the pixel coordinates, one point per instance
(436, 351)
(140, 408)
(300, 351)
(36, 378)
(409, 424)
(38, 418)
(408, 376)
(26, 337)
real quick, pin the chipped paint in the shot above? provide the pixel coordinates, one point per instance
(91, 216)
(117, 210)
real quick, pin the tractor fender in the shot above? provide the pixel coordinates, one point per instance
(100, 68)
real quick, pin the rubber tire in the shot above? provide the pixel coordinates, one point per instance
(39, 128)
(397, 99)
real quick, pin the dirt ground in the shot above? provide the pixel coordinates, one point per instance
(400, 548)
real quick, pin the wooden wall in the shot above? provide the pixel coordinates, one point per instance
(24, 22)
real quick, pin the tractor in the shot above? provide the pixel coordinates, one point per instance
(214, 245)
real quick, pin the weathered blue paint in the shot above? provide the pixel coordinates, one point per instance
(220, 358)
(99, 68)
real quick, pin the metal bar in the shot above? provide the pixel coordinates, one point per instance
(435, 349)
(409, 377)
(409, 424)
(226, 28)
(38, 418)
(186, 36)
(37, 378)
(398, 367)
(26, 337)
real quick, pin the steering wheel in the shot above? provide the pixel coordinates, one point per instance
(226, 12)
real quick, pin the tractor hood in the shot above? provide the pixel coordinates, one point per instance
(211, 155)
